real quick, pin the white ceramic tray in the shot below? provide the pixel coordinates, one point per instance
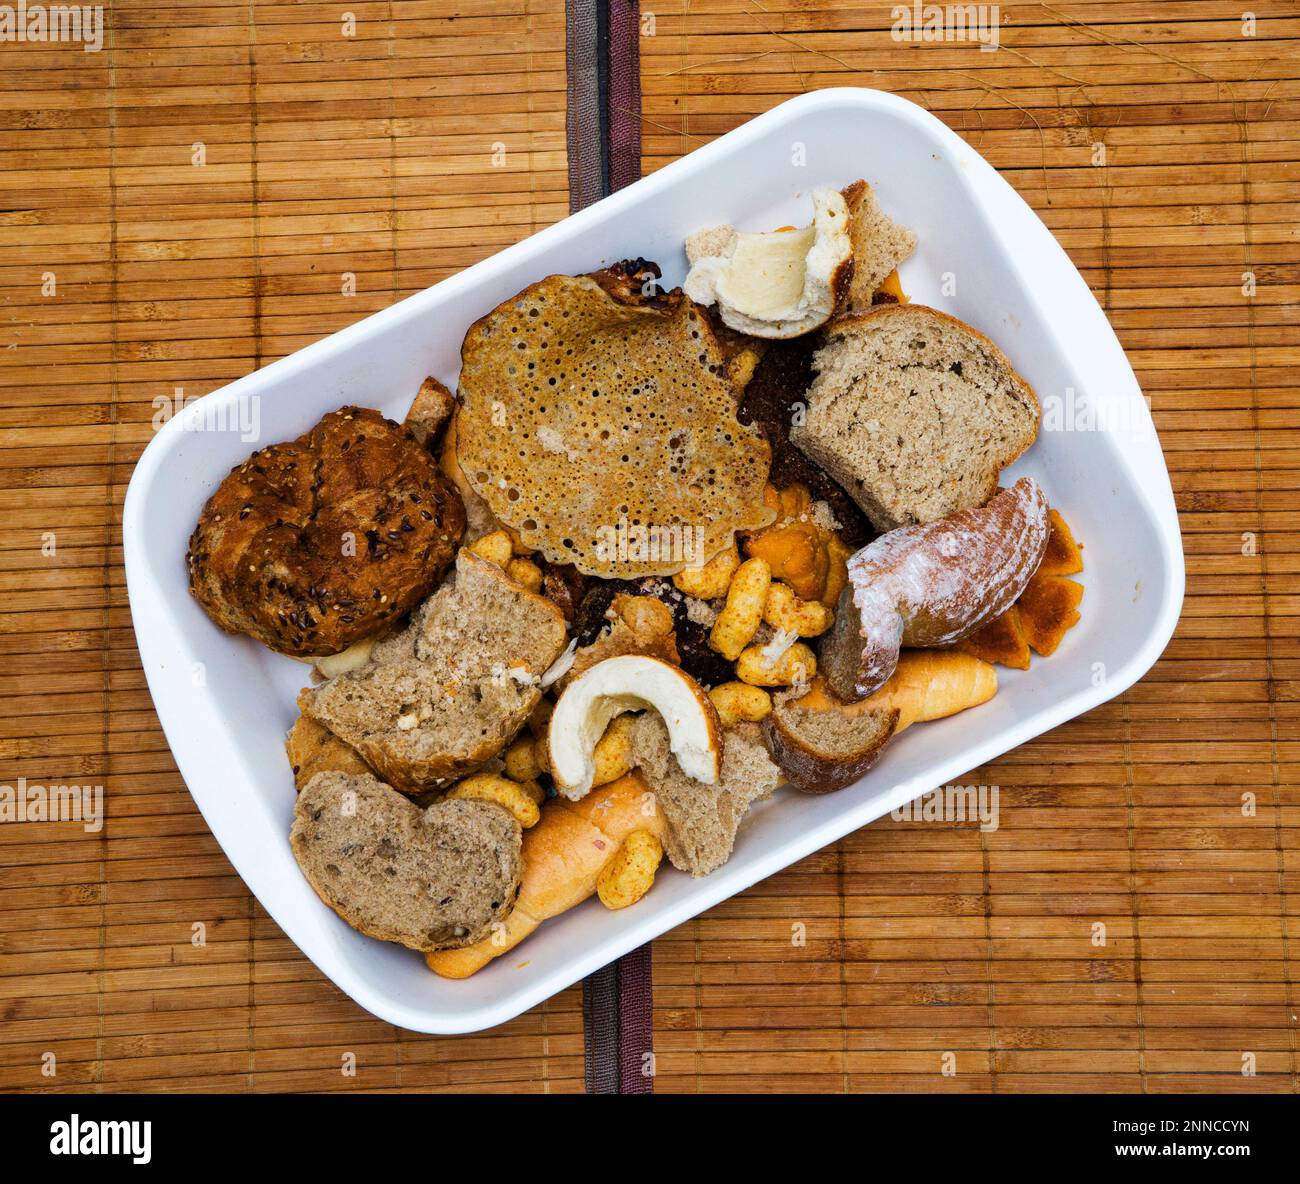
(225, 703)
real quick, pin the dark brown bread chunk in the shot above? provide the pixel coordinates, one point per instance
(434, 879)
(449, 692)
(313, 544)
(821, 751)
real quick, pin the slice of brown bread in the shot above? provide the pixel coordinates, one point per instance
(821, 751)
(879, 244)
(447, 694)
(702, 820)
(434, 879)
(914, 413)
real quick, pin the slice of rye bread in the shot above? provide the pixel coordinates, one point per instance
(879, 244)
(433, 879)
(701, 820)
(914, 413)
(821, 751)
(443, 697)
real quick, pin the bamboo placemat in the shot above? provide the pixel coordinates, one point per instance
(207, 190)
(925, 939)
(189, 203)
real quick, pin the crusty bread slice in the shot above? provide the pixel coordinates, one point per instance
(879, 244)
(432, 879)
(701, 820)
(914, 413)
(430, 412)
(821, 751)
(448, 693)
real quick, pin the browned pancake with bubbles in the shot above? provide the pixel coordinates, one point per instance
(602, 427)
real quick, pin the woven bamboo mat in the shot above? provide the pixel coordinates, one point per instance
(923, 939)
(188, 204)
(206, 190)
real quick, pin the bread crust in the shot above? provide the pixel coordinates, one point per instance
(814, 770)
(313, 544)
(312, 748)
(932, 585)
(628, 679)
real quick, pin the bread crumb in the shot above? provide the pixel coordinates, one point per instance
(824, 517)
(775, 649)
(517, 671)
(701, 612)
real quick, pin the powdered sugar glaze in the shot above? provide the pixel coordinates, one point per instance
(934, 584)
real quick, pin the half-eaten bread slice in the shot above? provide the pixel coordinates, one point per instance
(701, 820)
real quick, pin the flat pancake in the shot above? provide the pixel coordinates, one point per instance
(602, 427)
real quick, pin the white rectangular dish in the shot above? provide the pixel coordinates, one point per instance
(225, 703)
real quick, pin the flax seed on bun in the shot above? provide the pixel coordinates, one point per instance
(316, 543)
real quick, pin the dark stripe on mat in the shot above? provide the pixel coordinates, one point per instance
(604, 143)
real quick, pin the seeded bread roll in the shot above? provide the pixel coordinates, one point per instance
(821, 751)
(434, 879)
(914, 413)
(443, 697)
(313, 544)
